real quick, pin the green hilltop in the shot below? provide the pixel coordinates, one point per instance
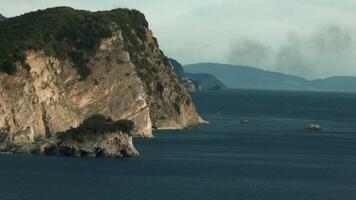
(66, 33)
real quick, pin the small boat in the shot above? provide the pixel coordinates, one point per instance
(245, 121)
(314, 127)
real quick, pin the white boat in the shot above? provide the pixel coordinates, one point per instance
(245, 121)
(314, 127)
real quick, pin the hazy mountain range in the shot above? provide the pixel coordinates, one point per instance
(243, 77)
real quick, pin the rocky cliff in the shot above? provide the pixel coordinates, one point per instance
(71, 65)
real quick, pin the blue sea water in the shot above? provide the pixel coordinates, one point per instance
(273, 157)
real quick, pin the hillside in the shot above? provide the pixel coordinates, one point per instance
(2, 18)
(242, 77)
(204, 80)
(336, 83)
(71, 65)
(178, 68)
(207, 81)
(248, 77)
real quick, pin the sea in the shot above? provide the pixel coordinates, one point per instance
(272, 157)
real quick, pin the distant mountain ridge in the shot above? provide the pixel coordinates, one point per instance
(335, 83)
(244, 77)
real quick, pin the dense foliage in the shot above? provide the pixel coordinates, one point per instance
(65, 33)
(97, 125)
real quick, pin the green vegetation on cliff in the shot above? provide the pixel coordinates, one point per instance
(97, 125)
(65, 33)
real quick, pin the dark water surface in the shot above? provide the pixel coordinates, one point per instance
(271, 158)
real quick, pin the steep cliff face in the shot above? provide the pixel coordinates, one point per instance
(127, 77)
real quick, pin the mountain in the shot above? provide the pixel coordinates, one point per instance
(75, 82)
(248, 77)
(243, 77)
(204, 81)
(336, 83)
(189, 84)
(207, 81)
(178, 68)
(2, 18)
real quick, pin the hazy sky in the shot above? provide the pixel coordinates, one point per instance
(311, 38)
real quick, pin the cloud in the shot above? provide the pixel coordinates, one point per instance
(328, 50)
(249, 52)
(292, 57)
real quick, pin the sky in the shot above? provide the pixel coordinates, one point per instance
(309, 38)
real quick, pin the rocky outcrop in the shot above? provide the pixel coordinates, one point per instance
(107, 145)
(190, 84)
(126, 81)
(207, 81)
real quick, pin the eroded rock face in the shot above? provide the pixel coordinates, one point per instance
(51, 97)
(108, 145)
(171, 106)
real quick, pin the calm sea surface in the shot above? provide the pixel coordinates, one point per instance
(273, 157)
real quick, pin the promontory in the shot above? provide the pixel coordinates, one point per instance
(82, 83)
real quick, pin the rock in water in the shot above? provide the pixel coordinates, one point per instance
(71, 65)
